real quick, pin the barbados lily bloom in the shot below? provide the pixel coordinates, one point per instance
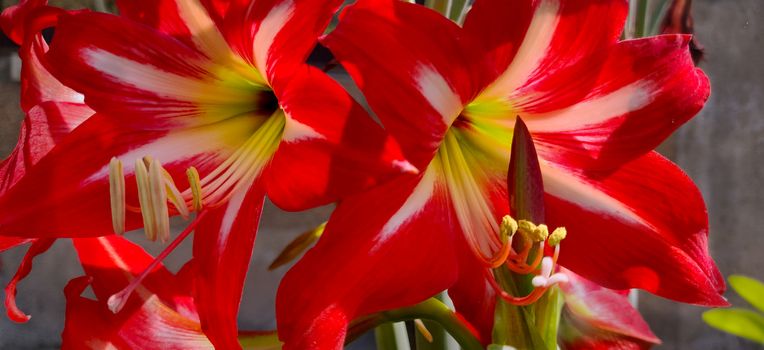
(600, 318)
(596, 108)
(207, 106)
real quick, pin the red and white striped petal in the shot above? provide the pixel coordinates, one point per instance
(159, 314)
(416, 82)
(269, 35)
(223, 244)
(389, 247)
(559, 39)
(70, 185)
(646, 90)
(147, 78)
(643, 225)
(330, 148)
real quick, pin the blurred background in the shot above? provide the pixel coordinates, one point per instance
(721, 149)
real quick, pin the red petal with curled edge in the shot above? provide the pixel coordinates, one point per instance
(595, 316)
(159, 314)
(389, 247)
(223, 244)
(645, 90)
(14, 18)
(643, 225)
(71, 183)
(38, 247)
(416, 82)
(330, 148)
(546, 45)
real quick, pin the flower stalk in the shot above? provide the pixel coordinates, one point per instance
(431, 309)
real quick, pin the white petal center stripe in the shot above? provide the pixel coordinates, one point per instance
(531, 52)
(594, 111)
(568, 186)
(203, 29)
(211, 139)
(414, 204)
(438, 93)
(295, 131)
(231, 212)
(153, 79)
(271, 25)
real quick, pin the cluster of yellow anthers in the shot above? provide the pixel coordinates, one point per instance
(525, 240)
(155, 188)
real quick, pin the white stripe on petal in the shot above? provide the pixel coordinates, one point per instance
(569, 187)
(229, 217)
(531, 52)
(295, 131)
(153, 79)
(438, 93)
(203, 29)
(594, 111)
(271, 25)
(414, 205)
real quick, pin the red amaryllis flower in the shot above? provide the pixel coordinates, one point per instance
(599, 318)
(207, 105)
(596, 109)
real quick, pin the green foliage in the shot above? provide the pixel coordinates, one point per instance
(741, 322)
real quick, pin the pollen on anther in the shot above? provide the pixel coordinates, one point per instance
(117, 195)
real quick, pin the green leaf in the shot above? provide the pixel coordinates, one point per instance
(741, 322)
(750, 289)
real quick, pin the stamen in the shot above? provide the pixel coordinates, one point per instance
(196, 188)
(423, 330)
(118, 300)
(117, 195)
(158, 196)
(557, 236)
(144, 198)
(174, 195)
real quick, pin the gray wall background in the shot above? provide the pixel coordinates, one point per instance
(721, 149)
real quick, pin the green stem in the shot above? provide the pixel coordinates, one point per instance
(259, 340)
(392, 336)
(640, 25)
(431, 309)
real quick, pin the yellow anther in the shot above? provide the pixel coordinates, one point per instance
(117, 195)
(196, 188)
(158, 193)
(531, 231)
(557, 236)
(508, 227)
(144, 198)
